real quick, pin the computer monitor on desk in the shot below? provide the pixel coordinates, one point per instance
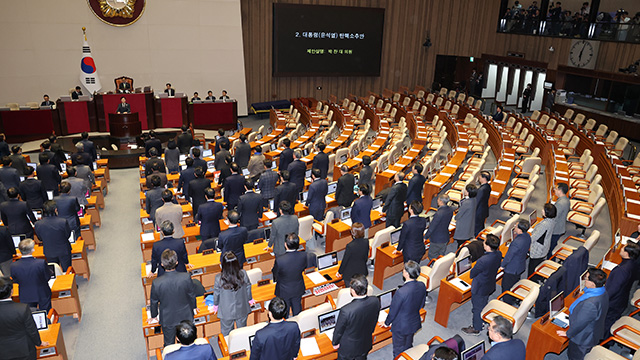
(395, 236)
(303, 196)
(207, 153)
(377, 202)
(333, 186)
(327, 260)
(17, 239)
(40, 318)
(533, 217)
(307, 174)
(463, 265)
(385, 299)
(328, 321)
(556, 304)
(476, 352)
(274, 146)
(343, 159)
(345, 214)
(305, 152)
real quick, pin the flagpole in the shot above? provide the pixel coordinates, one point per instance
(84, 32)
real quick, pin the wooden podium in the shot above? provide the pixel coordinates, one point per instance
(125, 125)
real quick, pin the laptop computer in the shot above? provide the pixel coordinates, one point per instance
(345, 216)
(327, 322)
(556, 306)
(327, 260)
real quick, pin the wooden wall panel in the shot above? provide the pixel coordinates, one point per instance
(456, 27)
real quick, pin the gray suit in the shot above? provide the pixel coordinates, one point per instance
(176, 294)
(233, 306)
(285, 224)
(78, 189)
(84, 172)
(465, 219)
(562, 206)
(365, 176)
(172, 212)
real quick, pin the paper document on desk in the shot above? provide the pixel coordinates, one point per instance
(148, 236)
(382, 316)
(328, 198)
(316, 277)
(626, 239)
(608, 265)
(347, 222)
(148, 268)
(50, 282)
(146, 221)
(458, 283)
(329, 334)
(309, 347)
(270, 215)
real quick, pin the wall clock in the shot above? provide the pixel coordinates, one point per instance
(583, 54)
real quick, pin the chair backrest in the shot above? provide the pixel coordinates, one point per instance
(511, 223)
(461, 97)
(252, 137)
(447, 105)
(332, 162)
(305, 227)
(343, 151)
(517, 128)
(613, 135)
(591, 123)
(308, 319)
(478, 104)
(593, 169)
(536, 152)
(416, 106)
(420, 94)
(379, 238)
(423, 110)
(430, 98)
(325, 109)
(535, 171)
(567, 136)
(579, 119)
(406, 101)
(443, 91)
(559, 130)
(511, 121)
(568, 114)
(344, 296)
(439, 101)
(574, 142)
(455, 109)
(372, 99)
(544, 120)
(551, 124)
(596, 211)
(592, 240)
(440, 270)
(396, 97)
(602, 129)
(387, 108)
(470, 101)
(254, 275)
(379, 104)
(530, 162)
(595, 194)
(529, 141)
(319, 106)
(585, 155)
(622, 143)
(535, 115)
(527, 303)
(238, 339)
(345, 103)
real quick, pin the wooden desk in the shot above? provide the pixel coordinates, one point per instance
(41, 123)
(56, 349)
(433, 187)
(387, 264)
(214, 115)
(79, 260)
(64, 296)
(339, 234)
(86, 232)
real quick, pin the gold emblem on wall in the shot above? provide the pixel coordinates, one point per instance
(117, 8)
(117, 12)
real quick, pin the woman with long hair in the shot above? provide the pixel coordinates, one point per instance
(232, 297)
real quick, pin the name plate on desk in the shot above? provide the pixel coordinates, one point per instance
(64, 294)
(47, 351)
(196, 272)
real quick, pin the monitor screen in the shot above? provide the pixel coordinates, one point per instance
(345, 214)
(207, 153)
(63, 167)
(343, 158)
(52, 271)
(72, 237)
(328, 321)
(67, 156)
(463, 265)
(377, 202)
(304, 195)
(385, 299)
(533, 217)
(476, 352)
(556, 304)
(184, 167)
(251, 341)
(583, 279)
(272, 204)
(395, 235)
(305, 152)
(274, 147)
(327, 260)
(267, 232)
(307, 174)
(245, 172)
(320, 40)
(332, 187)
(183, 158)
(33, 165)
(37, 213)
(40, 318)
(211, 164)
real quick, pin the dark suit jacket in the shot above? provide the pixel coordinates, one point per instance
(355, 326)
(219, 162)
(209, 215)
(90, 148)
(484, 273)
(482, 202)
(233, 188)
(170, 92)
(16, 215)
(344, 190)
(286, 158)
(286, 192)
(196, 192)
(394, 203)
(75, 95)
(149, 165)
(186, 176)
(4, 149)
(32, 276)
(7, 249)
(276, 341)
(267, 184)
(10, 177)
(161, 175)
(176, 293)
(152, 143)
(321, 161)
(123, 108)
(287, 272)
(619, 284)
(50, 177)
(250, 209)
(575, 264)
(414, 189)
(153, 201)
(439, 228)
(516, 258)
(54, 232)
(242, 154)
(365, 176)
(19, 163)
(513, 349)
(86, 159)
(184, 142)
(233, 240)
(296, 173)
(355, 259)
(219, 140)
(32, 191)
(68, 208)
(211, 243)
(404, 313)
(361, 211)
(315, 199)
(18, 333)
(197, 350)
(587, 321)
(198, 162)
(412, 239)
(176, 245)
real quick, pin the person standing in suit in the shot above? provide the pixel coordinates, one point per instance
(365, 176)
(416, 184)
(514, 261)
(78, 187)
(233, 187)
(234, 238)
(31, 190)
(221, 139)
(45, 148)
(318, 190)
(465, 218)
(619, 283)
(411, 243)
(89, 146)
(184, 140)
(176, 294)
(563, 205)
(186, 176)
(352, 336)
(250, 207)
(297, 170)
(482, 201)
(9, 176)
(154, 162)
(242, 152)
(503, 345)
(232, 297)
(80, 157)
(189, 346)
(68, 207)
(541, 238)
(287, 273)
(344, 188)
(18, 333)
(171, 243)
(256, 163)
(4, 147)
(587, 316)
(526, 98)
(438, 232)
(209, 216)
(284, 224)
(171, 212)
(154, 143)
(197, 161)
(123, 107)
(172, 157)
(286, 156)
(153, 197)
(286, 191)
(54, 232)
(280, 339)
(16, 215)
(48, 175)
(169, 90)
(404, 312)
(18, 161)
(361, 209)
(356, 255)
(7, 251)
(394, 203)
(321, 160)
(483, 275)
(197, 188)
(267, 182)
(32, 276)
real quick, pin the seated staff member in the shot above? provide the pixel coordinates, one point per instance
(169, 90)
(46, 101)
(503, 345)
(189, 346)
(232, 297)
(210, 96)
(411, 243)
(123, 107)
(465, 218)
(287, 273)
(587, 316)
(54, 232)
(438, 232)
(195, 97)
(541, 238)
(355, 256)
(224, 95)
(280, 339)
(209, 215)
(484, 275)
(404, 313)
(32, 276)
(318, 190)
(514, 261)
(499, 115)
(171, 243)
(76, 94)
(361, 209)
(619, 283)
